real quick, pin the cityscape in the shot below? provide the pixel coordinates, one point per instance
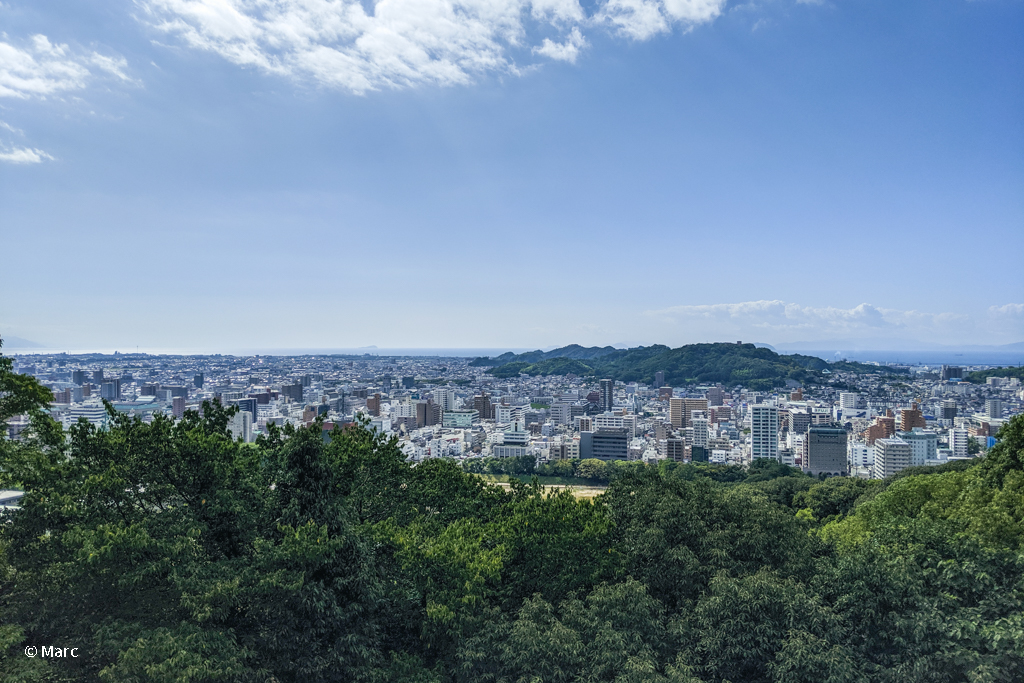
(511, 341)
(868, 423)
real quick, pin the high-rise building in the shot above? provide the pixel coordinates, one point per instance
(97, 376)
(482, 405)
(373, 404)
(240, 426)
(799, 421)
(178, 406)
(673, 449)
(924, 444)
(911, 418)
(292, 391)
(79, 377)
(409, 382)
(994, 409)
(248, 405)
(891, 456)
(764, 431)
(948, 409)
(610, 444)
(716, 396)
(701, 433)
(692, 404)
(561, 413)
(959, 439)
(659, 379)
(952, 372)
(676, 406)
(445, 397)
(848, 400)
(826, 451)
(607, 395)
(198, 380)
(111, 390)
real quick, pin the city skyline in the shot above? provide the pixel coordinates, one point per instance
(520, 175)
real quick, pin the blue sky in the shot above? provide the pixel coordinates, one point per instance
(179, 174)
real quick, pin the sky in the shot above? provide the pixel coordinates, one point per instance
(208, 175)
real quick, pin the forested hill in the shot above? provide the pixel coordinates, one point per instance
(728, 364)
(573, 351)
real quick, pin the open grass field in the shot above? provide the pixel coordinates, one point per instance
(581, 488)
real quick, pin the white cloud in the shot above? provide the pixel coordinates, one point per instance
(401, 43)
(782, 322)
(42, 69)
(24, 155)
(567, 51)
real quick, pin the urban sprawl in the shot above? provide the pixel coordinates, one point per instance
(447, 407)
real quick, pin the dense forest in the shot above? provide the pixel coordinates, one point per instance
(729, 364)
(168, 552)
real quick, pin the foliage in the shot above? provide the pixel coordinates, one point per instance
(981, 376)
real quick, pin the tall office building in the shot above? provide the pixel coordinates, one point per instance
(716, 396)
(891, 456)
(764, 431)
(97, 376)
(79, 377)
(178, 406)
(607, 395)
(659, 379)
(826, 451)
(948, 409)
(198, 380)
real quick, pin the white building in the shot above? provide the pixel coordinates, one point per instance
(861, 456)
(958, 440)
(240, 426)
(848, 400)
(764, 431)
(891, 456)
(924, 444)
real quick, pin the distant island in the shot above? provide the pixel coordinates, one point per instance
(721, 363)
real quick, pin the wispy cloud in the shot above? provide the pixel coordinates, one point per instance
(780, 321)
(402, 43)
(24, 155)
(41, 69)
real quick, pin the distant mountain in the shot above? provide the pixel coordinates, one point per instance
(19, 343)
(728, 364)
